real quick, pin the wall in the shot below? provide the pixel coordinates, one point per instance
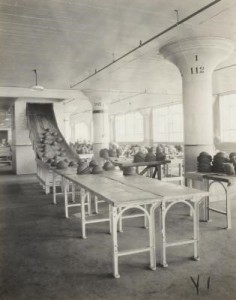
(143, 101)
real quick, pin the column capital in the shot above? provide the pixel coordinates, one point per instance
(196, 57)
(145, 111)
(97, 99)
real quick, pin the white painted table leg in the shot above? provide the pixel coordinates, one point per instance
(83, 219)
(89, 203)
(73, 192)
(115, 243)
(163, 234)
(152, 239)
(54, 189)
(110, 219)
(120, 221)
(196, 230)
(145, 217)
(65, 188)
(47, 189)
(96, 204)
(190, 185)
(206, 202)
(228, 209)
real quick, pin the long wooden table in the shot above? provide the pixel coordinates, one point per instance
(120, 198)
(208, 179)
(125, 192)
(154, 167)
(170, 194)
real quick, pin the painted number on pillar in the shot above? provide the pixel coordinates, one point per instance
(96, 104)
(197, 69)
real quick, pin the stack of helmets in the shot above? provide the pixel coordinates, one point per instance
(104, 153)
(139, 157)
(53, 163)
(40, 149)
(232, 158)
(108, 166)
(97, 170)
(229, 168)
(49, 161)
(72, 163)
(218, 162)
(93, 163)
(160, 155)
(112, 153)
(129, 171)
(119, 152)
(62, 164)
(204, 162)
(83, 168)
(151, 155)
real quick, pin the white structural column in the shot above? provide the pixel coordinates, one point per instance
(101, 132)
(112, 128)
(196, 58)
(72, 129)
(217, 121)
(147, 126)
(67, 127)
(22, 150)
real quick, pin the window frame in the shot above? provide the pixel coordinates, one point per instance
(169, 124)
(222, 118)
(128, 139)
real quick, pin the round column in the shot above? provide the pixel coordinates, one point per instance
(196, 59)
(112, 128)
(67, 128)
(101, 133)
(147, 126)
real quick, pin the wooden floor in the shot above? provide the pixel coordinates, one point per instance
(42, 256)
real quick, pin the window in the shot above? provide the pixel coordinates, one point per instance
(168, 123)
(228, 118)
(129, 127)
(82, 132)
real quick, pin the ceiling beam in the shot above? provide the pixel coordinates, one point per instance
(15, 92)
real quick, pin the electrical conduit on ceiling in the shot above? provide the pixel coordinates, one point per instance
(149, 41)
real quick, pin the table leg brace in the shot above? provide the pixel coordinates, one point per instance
(195, 240)
(116, 215)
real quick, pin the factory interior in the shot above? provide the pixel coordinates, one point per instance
(117, 149)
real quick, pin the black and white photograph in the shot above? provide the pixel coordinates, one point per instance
(117, 149)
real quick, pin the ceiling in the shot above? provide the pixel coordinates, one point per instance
(66, 40)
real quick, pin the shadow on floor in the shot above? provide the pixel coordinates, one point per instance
(5, 169)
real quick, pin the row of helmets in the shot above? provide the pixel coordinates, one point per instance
(221, 162)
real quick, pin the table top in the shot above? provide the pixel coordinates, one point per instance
(67, 171)
(114, 192)
(211, 176)
(124, 163)
(168, 191)
(118, 189)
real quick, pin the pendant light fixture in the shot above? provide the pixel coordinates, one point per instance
(36, 87)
